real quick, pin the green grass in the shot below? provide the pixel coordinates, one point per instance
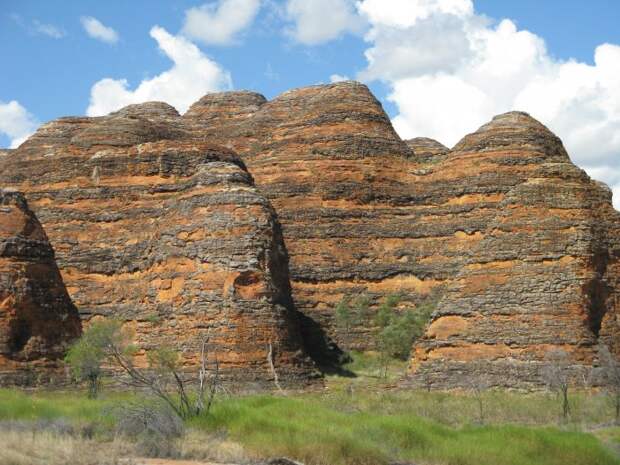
(362, 420)
(49, 405)
(309, 431)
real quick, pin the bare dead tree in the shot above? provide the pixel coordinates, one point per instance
(556, 374)
(163, 378)
(610, 367)
(478, 383)
(272, 367)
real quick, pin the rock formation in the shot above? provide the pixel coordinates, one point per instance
(37, 317)
(340, 179)
(154, 223)
(169, 235)
(543, 274)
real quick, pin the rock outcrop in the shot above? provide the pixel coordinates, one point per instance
(167, 234)
(37, 318)
(543, 275)
(155, 224)
(340, 179)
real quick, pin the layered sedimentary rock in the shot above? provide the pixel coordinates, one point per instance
(343, 185)
(427, 150)
(169, 235)
(543, 276)
(37, 318)
(153, 223)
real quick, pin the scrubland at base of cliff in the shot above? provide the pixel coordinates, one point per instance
(355, 421)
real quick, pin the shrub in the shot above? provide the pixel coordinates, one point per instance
(155, 428)
(87, 355)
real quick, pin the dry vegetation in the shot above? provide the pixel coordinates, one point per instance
(357, 420)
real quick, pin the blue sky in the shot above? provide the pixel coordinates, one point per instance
(440, 67)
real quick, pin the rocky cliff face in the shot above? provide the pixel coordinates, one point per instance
(365, 213)
(166, 233)
(542, 275)
(341, 181)
(155, 224)
(37, 317)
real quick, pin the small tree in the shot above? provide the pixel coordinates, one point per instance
(344, 318)
(361, 308)
(556, 375)
(611, 377)
(88, 354)
(478, 383)
(163, 378)
(396, 332)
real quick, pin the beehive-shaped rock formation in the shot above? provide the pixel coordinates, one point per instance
(37, 318)
(167, 234)
(543, 276)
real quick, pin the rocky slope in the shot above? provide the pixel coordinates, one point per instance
(542, 276)
(37, 317)
(166, 233)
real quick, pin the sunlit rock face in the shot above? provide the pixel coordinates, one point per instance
(168, 234)
(543, 275)
(156, 220)
(37, 318)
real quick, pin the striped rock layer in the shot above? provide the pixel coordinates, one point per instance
(167, 234)
(364, 213)
(543, 275)
(37, 318)
(154, 223)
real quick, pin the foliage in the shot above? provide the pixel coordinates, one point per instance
(87, 355)
(106, 341)
(350, 312)
(397, 331)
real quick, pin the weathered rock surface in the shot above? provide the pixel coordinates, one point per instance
(543, 275)
(340, 179)
(363, 212)
(154, 223)
(167, 234)
(37, 318)
(427, 150)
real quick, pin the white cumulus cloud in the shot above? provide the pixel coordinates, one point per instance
(99, 31)
(219, 23)
(319, 21)
(450, 70)
(16, 122)
(192, 75)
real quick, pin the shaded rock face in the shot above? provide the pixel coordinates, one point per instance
(167, 234)
(37, 318)
(542, 276)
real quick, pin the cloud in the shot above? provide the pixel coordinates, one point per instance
(219, 23)
(97, 30)
(319, 21)
(16, 122)
(192, 75)
(450, 70)
(338, 78)
(49, 30)
(36, 27)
